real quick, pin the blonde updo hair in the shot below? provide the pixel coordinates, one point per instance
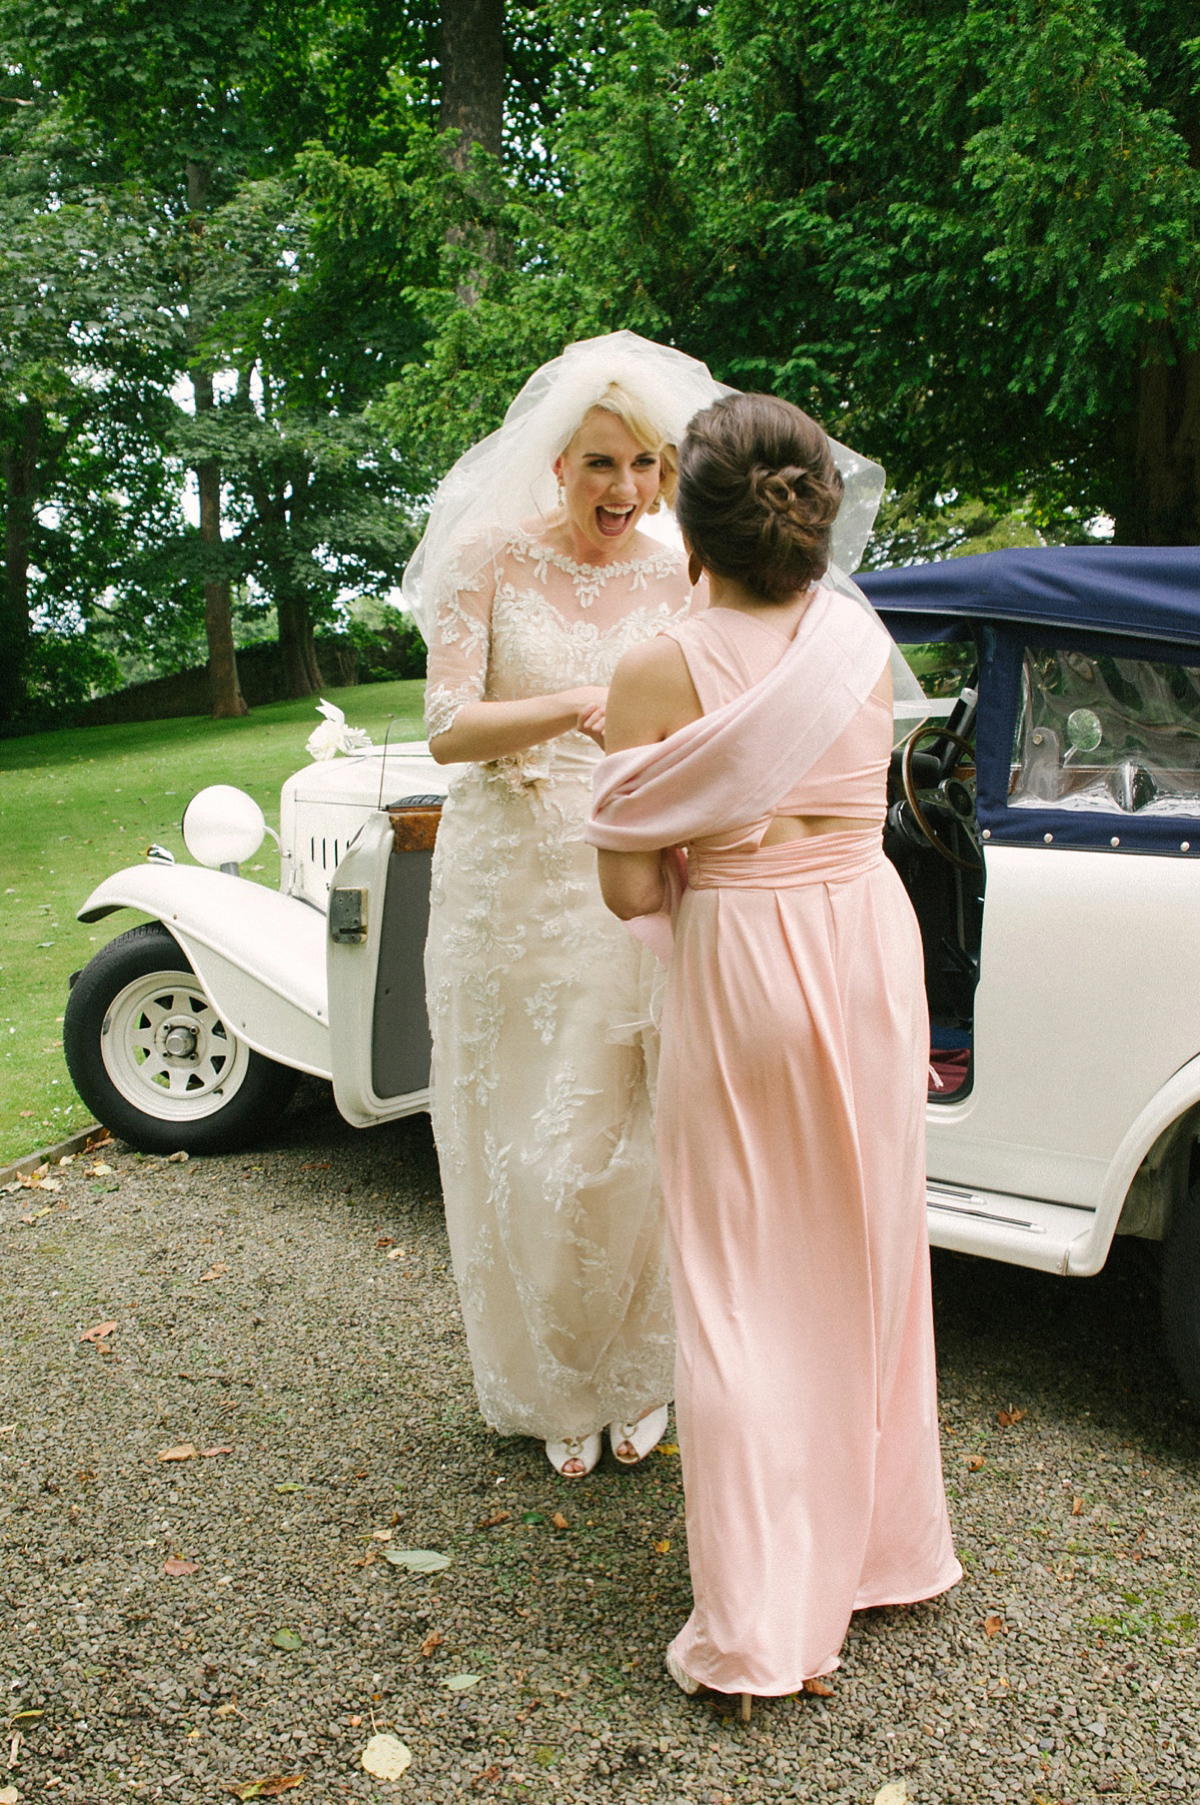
(758, 494)
(618, 400)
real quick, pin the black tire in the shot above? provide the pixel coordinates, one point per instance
(209, 1096)
(1181, 1293)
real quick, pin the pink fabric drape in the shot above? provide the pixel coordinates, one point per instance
(732, 765)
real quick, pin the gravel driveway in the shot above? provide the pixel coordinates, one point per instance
(289, 1315)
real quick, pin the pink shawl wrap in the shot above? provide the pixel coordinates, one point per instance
(732, 766)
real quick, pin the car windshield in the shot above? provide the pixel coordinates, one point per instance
(1107, 735)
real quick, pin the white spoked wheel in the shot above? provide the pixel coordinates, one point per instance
(153, 1059)
(167, 1050)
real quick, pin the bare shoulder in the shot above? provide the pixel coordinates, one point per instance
(651, 695)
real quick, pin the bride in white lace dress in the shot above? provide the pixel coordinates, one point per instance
(543, 1052)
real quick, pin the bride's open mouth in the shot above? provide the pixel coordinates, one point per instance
(613, 521)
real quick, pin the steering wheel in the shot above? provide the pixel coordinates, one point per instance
(951, 798)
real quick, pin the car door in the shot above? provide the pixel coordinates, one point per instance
(378, 916)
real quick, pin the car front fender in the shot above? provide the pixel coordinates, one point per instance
(1180, 1094)
(259, 955)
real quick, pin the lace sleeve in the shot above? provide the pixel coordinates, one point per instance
(458, 651)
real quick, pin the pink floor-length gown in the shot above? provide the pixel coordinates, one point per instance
(791, 1141)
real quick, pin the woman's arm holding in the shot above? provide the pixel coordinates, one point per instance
(652, 696)
(483, 730)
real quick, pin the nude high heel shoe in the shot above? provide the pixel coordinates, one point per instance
(691, 1687)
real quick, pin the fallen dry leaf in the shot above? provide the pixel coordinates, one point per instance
(174, 1568)
(894, 1794)
(432, 1641)
(228, 1710)
(386, 1756)
(974, 1462)
(1006, 1418)
(101, 1169)
(214, 1272)
(494, 1520)
(993, 1625)
(382, 1535)
(384, 1240)
(559, 1521)
(818, 1688)
(489, 1773)
(667, 1447)
(211, 1453)
(184, 1451)
(177, 1159)
(98, 1333)
(1077, 1507)
(275, 1784)
(394, 1253)
(663, 1547)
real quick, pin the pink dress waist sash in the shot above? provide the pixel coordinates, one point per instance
(833, 858)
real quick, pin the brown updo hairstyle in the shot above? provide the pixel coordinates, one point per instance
(758, 494)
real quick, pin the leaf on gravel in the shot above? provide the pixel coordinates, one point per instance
(974, 1462)
(494, 1520)
(667, 1447)
(269, 1788)
(177, 1569)
(184, 1451)
(432, 1641)
(818, 1688)
(559, 1521)
(1077, 1507)
(533, 1517)
(382, 1535)
(211, 1453)
(459, 1682)
(101, 1169)
(386, 1756)
(417, 1560)
(663, 1547)
(290, 1485)
(993, 1625)
(288, 1639)
(894, 1794)
(214, 1272)
(394, 1253)
(99, 1332)
(383, 1240)
(177, 1159)
(25, 1720)
(1006, 1418)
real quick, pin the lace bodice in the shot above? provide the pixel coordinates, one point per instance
(532, 621)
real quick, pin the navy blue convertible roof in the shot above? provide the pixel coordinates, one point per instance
(1149, 592)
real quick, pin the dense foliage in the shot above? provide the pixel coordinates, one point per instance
(254, 298)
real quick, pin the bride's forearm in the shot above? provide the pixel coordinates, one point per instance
(485, 730)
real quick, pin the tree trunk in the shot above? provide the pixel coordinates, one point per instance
(1165, 506)
(20, 491)
(227, 699)
(472, 56)
(301, 672)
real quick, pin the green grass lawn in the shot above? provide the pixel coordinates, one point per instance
(83, 802)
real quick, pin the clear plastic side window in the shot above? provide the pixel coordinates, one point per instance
(1107, 735)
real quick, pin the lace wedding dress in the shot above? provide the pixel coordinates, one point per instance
(543, 1054)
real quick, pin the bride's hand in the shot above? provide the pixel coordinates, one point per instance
(592, 702)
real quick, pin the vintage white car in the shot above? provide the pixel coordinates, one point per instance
(1045, 821)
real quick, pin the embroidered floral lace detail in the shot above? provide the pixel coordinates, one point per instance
(539, 1007)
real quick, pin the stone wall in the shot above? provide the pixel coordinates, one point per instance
(260, 671)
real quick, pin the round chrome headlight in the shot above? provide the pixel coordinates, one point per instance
(222, 826)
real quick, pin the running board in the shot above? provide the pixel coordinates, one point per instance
(1022, 1230)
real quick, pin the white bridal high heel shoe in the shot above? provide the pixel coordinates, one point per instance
(584, 1448)
(641, 1436)
(687, 1684)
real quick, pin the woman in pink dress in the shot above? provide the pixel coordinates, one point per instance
(791, 1108)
